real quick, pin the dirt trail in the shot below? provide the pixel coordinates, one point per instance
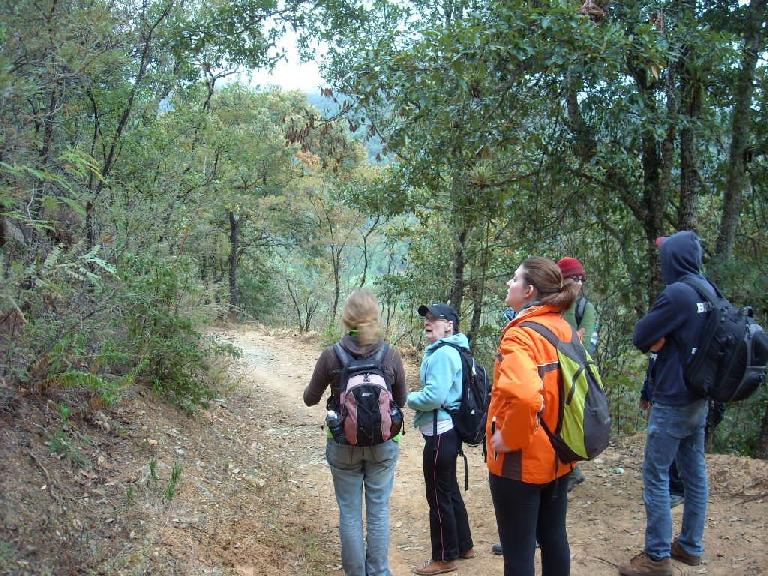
(242, 488)
(605, 519)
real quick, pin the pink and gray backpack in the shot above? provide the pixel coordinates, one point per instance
(369, 415)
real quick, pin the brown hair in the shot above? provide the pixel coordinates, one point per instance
(361, 313)
(544, 275)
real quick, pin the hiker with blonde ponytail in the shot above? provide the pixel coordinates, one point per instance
(359, 469)
(529, 501)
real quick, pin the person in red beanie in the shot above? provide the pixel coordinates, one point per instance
(582, 316)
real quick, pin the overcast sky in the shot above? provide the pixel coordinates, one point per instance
(290, 74)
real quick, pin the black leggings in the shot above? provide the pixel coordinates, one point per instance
(525, 514)
(448, 521)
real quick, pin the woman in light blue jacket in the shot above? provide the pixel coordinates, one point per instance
(441, 380)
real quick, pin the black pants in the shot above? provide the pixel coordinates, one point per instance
(525, 514)
(448, 521)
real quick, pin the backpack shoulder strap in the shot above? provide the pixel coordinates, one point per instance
(344, 357)
(581, 307)
(463, 352)
(378, 356)
(554, 340)
(710, 326)
(451, 344)
(700, 286)
(543, 330)
(573, 349)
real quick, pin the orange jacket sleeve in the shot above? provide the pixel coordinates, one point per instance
(517, 391)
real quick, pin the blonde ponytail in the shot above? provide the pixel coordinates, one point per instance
(361, 314)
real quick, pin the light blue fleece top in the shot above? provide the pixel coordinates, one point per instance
(440, 376)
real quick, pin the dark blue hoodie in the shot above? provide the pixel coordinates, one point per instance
(679, 314)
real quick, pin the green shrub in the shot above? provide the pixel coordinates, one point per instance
(64, 445)
(259, 292)
(173, 482)
(102, 328)
(739, 431)
(161, 312)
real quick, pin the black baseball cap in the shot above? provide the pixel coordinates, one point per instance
(440, 311)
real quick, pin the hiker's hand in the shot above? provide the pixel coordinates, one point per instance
(659, 344)
(580, 332)
(498, 442)
(644, 404)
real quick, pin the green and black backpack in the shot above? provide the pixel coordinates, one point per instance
(584, 422)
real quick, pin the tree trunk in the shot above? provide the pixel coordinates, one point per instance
(336, 264)
(762, 440)
(655, 201)
(309, 312)
(390, 302)
(234, 241)
(691, 98)
(737, 177)
(650, 210)
(478, 290)
(296, 307)
(459, 263)
(460, 225)
(113, 147)
(90, 223)
(364, 275)
(668, 144)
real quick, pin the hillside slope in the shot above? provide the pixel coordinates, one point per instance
(242, 488)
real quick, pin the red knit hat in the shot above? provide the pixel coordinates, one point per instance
(571, 267)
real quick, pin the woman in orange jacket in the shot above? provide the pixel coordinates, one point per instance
(529, 501)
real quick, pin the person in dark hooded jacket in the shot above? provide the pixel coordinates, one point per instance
(677, 418)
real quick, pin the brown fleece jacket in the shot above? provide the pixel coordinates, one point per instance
(327, 371)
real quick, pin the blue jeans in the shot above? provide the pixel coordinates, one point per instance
(675, 433)
(353, 469)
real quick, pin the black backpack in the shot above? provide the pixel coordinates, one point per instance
(729, 363)
(469, 418)
(369, 415)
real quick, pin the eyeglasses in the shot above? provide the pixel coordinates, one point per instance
(579, 279)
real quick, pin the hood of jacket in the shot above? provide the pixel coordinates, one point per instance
(440, 375)
(681, 254)
(351, 345)
(459, 339)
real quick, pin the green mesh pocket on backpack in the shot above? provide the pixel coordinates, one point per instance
(584, 423)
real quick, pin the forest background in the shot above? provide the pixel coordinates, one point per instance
(145, 194)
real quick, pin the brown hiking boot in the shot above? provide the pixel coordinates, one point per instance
(468, 554)
(437, 567)
(682, 556)
(644, 565)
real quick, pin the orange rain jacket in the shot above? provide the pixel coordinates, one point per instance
(526, 389)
